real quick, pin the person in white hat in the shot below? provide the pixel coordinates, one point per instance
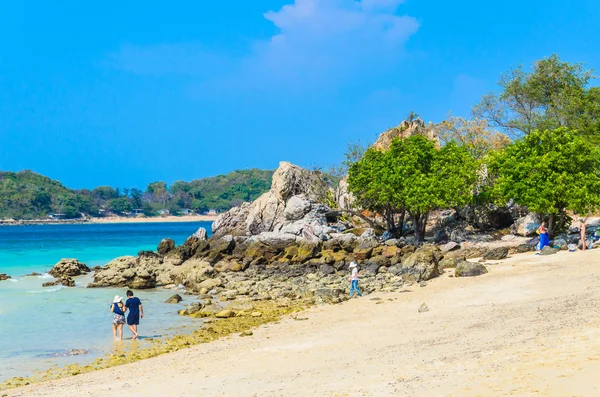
(118, 309)
(354, 280)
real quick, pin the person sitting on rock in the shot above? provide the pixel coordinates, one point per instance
(354, 280)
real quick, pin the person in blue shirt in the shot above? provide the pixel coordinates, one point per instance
(118, 310)
(135, 311)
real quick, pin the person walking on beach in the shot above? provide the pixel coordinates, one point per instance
(354, 280)
(118, 309)
(134, 305)
(582, 230)
(544, 237)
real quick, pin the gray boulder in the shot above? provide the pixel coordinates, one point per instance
(296, 207)
(496, 254)
(422, 265)
(469, 269)
(548, 251)
(200, 234)
(527, 225)
(174, 299)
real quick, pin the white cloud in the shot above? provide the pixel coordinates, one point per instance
(330, 38)
(318, 41)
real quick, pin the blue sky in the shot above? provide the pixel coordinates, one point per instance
(125, 93)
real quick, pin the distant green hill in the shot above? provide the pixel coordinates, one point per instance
(27, 195)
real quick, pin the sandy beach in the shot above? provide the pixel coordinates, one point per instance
(527, 328)
(112, 220)
(156, 219)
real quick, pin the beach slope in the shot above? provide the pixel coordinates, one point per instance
(528, 327)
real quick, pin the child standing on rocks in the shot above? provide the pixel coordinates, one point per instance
(354, 280)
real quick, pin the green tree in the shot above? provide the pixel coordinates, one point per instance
(413, 176)
(554, 94)
(159, 192)
(136, 197)
(104, 193)
(427, 178)
(120, 205)
(549, 172)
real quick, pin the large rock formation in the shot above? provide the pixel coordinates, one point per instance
(406, 129)
(293, 206)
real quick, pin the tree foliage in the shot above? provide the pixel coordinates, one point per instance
(413, 176)
(474, 134)
(554, 94)
(549, 172)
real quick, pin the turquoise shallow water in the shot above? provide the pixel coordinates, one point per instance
(38, 323)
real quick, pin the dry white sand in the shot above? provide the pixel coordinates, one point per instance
(530, 327)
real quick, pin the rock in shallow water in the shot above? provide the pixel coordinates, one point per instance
(68, 268)
(174, 299)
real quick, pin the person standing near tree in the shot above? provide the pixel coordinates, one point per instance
(134, 306)
(582, 230)
(544, 237)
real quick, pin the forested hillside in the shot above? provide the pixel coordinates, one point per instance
(28, 195)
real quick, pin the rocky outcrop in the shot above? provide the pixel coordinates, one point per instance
(344, 199)
(68, 268)
(407, 129)
(292, 206)
(147, 270)
(4, 276)
(527, 225)
(166, 245)
(200, 234)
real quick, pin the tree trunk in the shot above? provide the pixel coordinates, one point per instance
(420, 225)
(551, 226)
(401, 223)
(390, 219)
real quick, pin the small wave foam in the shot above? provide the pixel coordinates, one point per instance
(46, 276)
(13, 280)
(42, 291)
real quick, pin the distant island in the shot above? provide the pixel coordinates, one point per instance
(26, 196)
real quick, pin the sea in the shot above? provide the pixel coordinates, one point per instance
(41, 327)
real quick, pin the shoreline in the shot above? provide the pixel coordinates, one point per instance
(110, 220)
(523, 331)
